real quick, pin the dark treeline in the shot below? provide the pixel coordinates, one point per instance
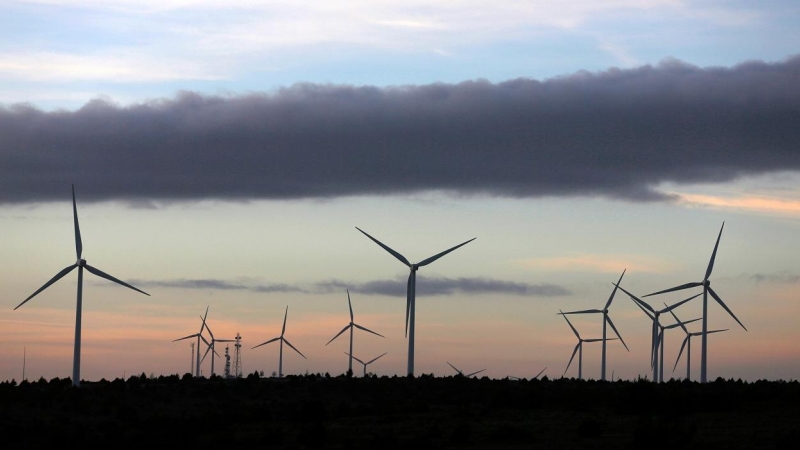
(323, 411)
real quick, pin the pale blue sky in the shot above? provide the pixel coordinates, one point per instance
(263, 255)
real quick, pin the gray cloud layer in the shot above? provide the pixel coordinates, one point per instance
(616, 134)
(432, 286)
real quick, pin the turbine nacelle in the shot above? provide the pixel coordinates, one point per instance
(81, 263)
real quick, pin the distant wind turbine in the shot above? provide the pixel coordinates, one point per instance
(706, 284)
(350, 326)
(212, 347)
(687, 343)
(199, 336)
(282, 339)
(365, 363)
(411, 289)
(578, 347)
(606, 320)
(80, 264)
(462, 373)
(657, 333)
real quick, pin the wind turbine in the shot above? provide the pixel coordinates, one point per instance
(579, 347)
(706, 283)
(657, 334)
(212, 347)
(282, 339)
(687, 343)
(411, 290)
(606, 320)
(462, 373)
(365, 363)
(199, 336)
(80, 264)
(351, 325)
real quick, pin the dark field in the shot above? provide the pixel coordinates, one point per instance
(318, 411)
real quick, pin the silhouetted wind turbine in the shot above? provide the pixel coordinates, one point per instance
(282, 339)
(462, 373)
(657, 331)
(365, 363)
(706, 284)
(578, 347)
(606, 319)
(80, 264)
(411, 289)
(199, 336)
(687, 343)
(351, 325)
(212, 347)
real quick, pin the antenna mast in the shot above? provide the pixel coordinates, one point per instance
(227, 362)
(237, 357)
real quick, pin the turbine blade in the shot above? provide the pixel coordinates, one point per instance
(385, 247)
(683, 345)
(267, 342)
(350, 304)
(610, 322)
(685, 330)
(572, 357)
(583, 311)
(716, 331)
(208, 349)
(375, 359)
(537, 375)
(102, 274)
(366, 329)
(611, 297)
(714, 254)
(570, 325)
(721, 303)
(286, 313)
(637, 300)
(362, 362)
(599, 339)
(676, 288)
(433, 258)
(339, 333)
(57, 277)
(454, 368)
(186, 337)
(78, 243)
(641, 306)
(670, 308)
(290, 345)
(204, 340)
(475, 373)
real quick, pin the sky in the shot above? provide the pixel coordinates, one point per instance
(225, 155)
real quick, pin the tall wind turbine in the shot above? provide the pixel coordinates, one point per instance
(282, 339)
(606, 320)
(352, 325)
(706, 283)
(411, 289)
(578, 347)
(199, 336)
(365, 363)
(80, 264)
(657, 335)
(687, 343)
(462, 373)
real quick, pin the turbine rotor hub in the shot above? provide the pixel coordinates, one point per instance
(81, 262)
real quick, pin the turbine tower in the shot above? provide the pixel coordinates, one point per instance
(411, 290)
(606, 320)
(706, 284)
(80, 264)
(282, 339)
(350, 326)
(578, 347)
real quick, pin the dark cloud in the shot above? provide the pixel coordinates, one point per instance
(780, 277)
(431, 286)
(616, 134)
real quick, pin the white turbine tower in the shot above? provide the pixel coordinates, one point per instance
(80, 264)
(706, 284)
(365, 363)
(687, 343)
(351, 325)
(282, 339)
(657, 332)
(411, 289)
(199, 336)
(462, 373)
(579, 347)
(606, 320)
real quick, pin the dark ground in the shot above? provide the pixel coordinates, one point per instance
(317, 411)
